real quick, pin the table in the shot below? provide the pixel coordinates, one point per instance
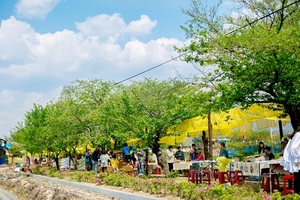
(206, 164)
(182, 165)
(274, 166)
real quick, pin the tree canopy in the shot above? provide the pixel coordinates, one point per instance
(256, 54)
(94, 112)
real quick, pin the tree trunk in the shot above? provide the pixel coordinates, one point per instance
(146, 160)
(205, 145)
(56, 162)
(294, 113)
(155, 145)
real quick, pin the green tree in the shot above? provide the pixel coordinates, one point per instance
(90, 98)
(255, 55)
(16, 151)
(155, 107)
(30, 135)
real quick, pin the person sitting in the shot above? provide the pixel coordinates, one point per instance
(261, 147)
(200, 155)
(268, 156)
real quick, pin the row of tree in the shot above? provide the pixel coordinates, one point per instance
(94, 112)
(255, 57)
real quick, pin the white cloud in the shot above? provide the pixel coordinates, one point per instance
(141, 27)
(35, 8)
(15, 36)
(95, 46)
(30, 61)
(102, 27)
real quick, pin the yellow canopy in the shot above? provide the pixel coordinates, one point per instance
(224, 122)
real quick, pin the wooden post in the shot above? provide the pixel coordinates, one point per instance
(210, 136)
(280, 129)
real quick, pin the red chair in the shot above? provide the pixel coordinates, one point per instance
(191, 176)
(265, 182)
(286, 189)
(157, 170)
(236, 177)
(223, 177)
(206, 176)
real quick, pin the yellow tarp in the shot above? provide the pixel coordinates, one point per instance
(235, 117)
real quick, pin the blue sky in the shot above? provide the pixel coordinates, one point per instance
(47, 44)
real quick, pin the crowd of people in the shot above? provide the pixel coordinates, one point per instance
(104, 158)
(137, 158)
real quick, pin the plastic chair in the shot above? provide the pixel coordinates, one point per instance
(157, 170)
(287, 190)
(222, 178)
(191, 176)
(265, 182)
(206, 176)
(236, 177)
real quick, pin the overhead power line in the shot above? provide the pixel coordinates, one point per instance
(250, 23)
(156, 66)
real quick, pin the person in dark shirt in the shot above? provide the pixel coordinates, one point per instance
(268, 156)
(179, 155)
(223, 150)
(193, 153)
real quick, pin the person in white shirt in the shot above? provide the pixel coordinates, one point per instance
(103, 161)
(170, 158)
(291, 158)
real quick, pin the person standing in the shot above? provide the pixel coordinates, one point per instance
(95, 158)
(179, 155)
(291, 158)
(126, 151)
(170, 158)
(193, 153)
(223, 150)
(103, 161)
(88, 160)
(141, 159)
(161, 161)
(284, 142)
(28, 161)
(115, 163)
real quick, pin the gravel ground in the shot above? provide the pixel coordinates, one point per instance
(25, 187)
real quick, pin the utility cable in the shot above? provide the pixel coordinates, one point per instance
(250, 23)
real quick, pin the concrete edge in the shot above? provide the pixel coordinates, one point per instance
(104, 191)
